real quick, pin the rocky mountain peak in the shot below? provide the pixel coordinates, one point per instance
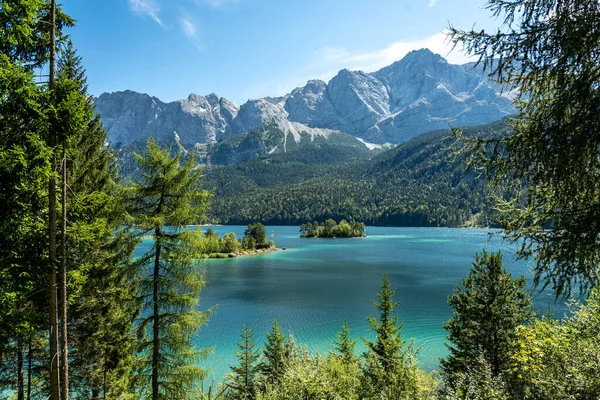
(418, 93)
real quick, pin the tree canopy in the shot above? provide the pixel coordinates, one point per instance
(546, 55)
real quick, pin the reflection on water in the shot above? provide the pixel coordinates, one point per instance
(317, 284)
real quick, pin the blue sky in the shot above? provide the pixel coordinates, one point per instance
(242, 49)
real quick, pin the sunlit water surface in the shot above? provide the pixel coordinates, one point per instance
(315, 285)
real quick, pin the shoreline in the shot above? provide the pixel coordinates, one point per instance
(222, 256)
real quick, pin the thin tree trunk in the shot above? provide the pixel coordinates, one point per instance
(29, 368)
(155, 319)
(53, 315)
(64, 343)
(20, 380)
(104, 378)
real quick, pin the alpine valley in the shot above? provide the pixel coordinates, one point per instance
(355, 147)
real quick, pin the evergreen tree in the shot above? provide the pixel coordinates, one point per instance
(241, 383)
(344, 346)
(390, 366)
(164, 201)
(488, 308)
(24, 171)
(546, 53)
(275, 355)
(98, 251)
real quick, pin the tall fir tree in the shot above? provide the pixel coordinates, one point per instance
(488, 308)
(27, 37)
(241, 382)
(275, 355)
(390, 366)
(99, 251)
(24, 171)
(344, 346)
(164, 201)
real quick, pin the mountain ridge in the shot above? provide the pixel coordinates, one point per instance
(419, 93)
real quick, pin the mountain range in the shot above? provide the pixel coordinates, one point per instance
(419, 93)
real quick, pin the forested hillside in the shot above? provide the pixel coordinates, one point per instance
(419, 183)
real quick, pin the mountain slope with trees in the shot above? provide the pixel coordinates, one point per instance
(419, 183)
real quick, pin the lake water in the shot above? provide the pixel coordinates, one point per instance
(317, 284)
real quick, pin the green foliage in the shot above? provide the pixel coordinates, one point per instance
(314, 378)
(390, 364)
(476, 382)
(25, 31)
(255, 236)
(344, 346)
(559, 359)
(102, 294)
(488, 308)
(229, 243)
(546, 51)
(416, 184)
(24, 171)
(331, 229)
(162, 203)
(275, 355)
(241, 383)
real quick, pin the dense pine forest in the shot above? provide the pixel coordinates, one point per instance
(419, 183)
(82, 318)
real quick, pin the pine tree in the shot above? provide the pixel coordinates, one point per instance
(99, 251)
(275, 355)
(546, 54)
(164, 201)
(344, 346)
(241, 383)
(24, 171)
(390, 366)
(488, 308)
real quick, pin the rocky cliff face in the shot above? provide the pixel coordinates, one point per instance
(419, 93)
(130, 116)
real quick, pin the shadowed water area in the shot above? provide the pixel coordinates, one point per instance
(317, 284)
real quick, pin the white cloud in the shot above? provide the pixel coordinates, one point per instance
(219, 3)
(146, 7)
(189, 28)
(327, 62)
(334, 58)
(432, 3)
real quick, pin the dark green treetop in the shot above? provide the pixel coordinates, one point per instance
(344, 346)
(488, 308)
(241, 383)
(390, 366)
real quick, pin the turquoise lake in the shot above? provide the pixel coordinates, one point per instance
(315, 285)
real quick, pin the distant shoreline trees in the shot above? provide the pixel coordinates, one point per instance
(254, 239)
(331, 229)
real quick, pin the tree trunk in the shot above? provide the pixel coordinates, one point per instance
(104, 378)
(64, 343)
(53, 315)
(20, 381)
(29, 368)
(155, 319)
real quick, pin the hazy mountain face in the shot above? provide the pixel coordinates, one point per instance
(417, 94)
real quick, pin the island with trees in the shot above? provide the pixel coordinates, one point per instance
(254, 242)
(331, 229)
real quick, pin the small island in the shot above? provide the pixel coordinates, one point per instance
(254, 242)
(331, 229)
